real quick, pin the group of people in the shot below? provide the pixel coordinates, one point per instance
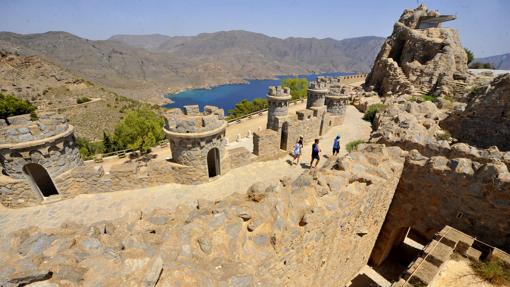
(298, 147)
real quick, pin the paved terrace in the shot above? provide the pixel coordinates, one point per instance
(89, 208)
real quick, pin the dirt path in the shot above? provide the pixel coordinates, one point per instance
(89, 208)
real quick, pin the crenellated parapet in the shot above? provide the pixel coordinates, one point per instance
(48, 141)
(317, 91)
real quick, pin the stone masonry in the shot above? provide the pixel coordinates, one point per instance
(47, 142)
(194, 136)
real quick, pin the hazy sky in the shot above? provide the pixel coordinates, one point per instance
(483, 24)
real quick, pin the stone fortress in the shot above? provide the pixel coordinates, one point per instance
(42, 154)
(420, 177)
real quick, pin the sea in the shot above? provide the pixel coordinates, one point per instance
(226, 96)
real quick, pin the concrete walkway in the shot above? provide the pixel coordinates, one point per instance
(89, 208)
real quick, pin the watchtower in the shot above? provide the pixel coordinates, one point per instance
(33, 153)
(316, 94)
(278, 99)
(197, 138)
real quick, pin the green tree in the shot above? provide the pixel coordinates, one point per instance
(12, 106)
(298, 87)
(245, 107)
(140, 129)
(108, 143)
(470, 56)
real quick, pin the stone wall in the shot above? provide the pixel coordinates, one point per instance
(488, 106)
(266, 144)
(17, 193)
(437, 191)
(315, 231)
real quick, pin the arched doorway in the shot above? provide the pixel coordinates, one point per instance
(284, 136)
(213, 162)
(40, 179)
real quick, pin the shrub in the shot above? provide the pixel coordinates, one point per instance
(446, 136)
(493, 271)
(82, 100)
(372, 111)
(88, 148)
(353, 144)
(33, 116)
(12, 106)
(298, 87)
(478, 65)
(429, 98)
(245, 107)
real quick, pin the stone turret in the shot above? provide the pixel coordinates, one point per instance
(197, 138)
(35, 152)
(317, 91)
(278, 99)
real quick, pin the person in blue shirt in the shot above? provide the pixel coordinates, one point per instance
(315, 153)
(336, 145)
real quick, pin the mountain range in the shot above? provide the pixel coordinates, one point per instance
(144, 67)
(499, 62)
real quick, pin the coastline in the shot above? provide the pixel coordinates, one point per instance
(172, 93)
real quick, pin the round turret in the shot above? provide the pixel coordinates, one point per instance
(278, 100)
(337, 99)
(197, 139)
(48, 141)
(317, 91)
(37, 151)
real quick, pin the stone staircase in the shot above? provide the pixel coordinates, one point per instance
(445, 243)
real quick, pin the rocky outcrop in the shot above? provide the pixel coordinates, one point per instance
(486, 119)
(316, 231)
(415, 59)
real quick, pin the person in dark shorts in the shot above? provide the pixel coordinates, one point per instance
(315, 153)
(336, 145)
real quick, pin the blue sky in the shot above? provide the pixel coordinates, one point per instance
(483, 24)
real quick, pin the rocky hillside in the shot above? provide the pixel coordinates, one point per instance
(144, 67)
(52, 88)
(499, 62)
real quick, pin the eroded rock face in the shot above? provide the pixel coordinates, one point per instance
(419, 60)
(316, 231)
(486, 119)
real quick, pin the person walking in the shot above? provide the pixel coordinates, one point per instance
(315, 153)
(298, 147)
(336, 145)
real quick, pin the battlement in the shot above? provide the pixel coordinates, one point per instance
(278, 92)
(22, 129)
(189, 120)
(318, 85)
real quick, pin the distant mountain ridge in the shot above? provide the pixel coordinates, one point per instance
(146, 66)
(499, 62)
